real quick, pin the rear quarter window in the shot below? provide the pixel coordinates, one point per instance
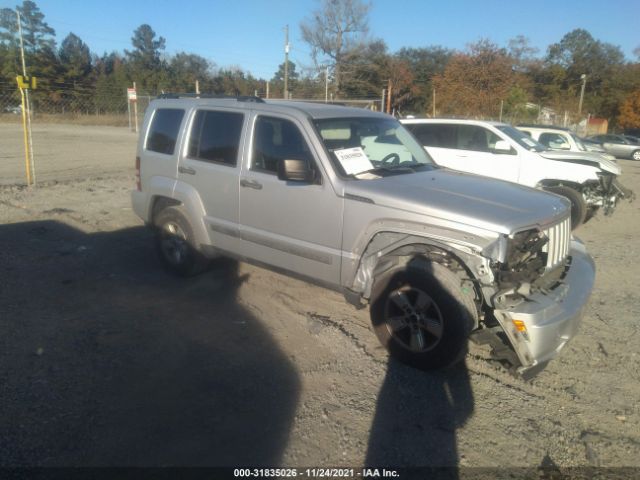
(164, 129)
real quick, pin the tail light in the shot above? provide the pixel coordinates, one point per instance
(138, 185)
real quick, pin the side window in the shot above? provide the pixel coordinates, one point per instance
(478, 139)
(276, 139)
(425, 134)
(163, 132)
(431, 135)
(215, 136)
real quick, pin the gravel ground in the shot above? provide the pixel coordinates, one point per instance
(105, 360)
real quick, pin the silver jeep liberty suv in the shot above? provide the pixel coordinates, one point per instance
(348, 199)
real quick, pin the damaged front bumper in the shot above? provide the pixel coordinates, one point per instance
(606, 193)
(541, 326)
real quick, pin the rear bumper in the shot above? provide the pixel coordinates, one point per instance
(552, 318)
(140, 204)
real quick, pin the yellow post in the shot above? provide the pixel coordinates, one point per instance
(27, 156)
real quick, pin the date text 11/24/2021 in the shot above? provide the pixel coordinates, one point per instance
(315, 473)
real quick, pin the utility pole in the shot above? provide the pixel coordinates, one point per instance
(389, 97)
(583, 77)
(26, 115)
(197, 87)
(434, 103)
(326, 85)
(286, 62)
(135, 108)
(267, 89)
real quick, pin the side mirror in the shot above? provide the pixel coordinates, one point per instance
(502, 146)
(291, 170)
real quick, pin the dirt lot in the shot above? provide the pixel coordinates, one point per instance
(107, 360)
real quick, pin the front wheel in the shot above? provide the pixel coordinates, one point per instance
(578, 205)
(635, 155)
(423, 316)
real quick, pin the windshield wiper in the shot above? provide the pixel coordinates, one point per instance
(401, 168)
(394, 169)
(416, 164)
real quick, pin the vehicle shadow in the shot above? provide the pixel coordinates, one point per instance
(105, 360)
(416, 418)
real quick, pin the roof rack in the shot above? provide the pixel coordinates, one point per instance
(239, 98)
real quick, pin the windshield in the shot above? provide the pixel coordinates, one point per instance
(578, 141)
(377, 145)
(521, 138)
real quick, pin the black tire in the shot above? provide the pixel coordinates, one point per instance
(578, 205)
(423, 316)
(635, 155)
(175, 243)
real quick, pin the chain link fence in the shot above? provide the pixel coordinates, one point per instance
(64, 106)
(109, 106)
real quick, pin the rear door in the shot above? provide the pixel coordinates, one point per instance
(210, 164)
(291, 225)
(439, 140)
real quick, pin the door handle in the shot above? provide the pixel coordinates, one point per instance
(251, 184)
(187, 170)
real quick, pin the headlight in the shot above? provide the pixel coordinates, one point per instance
(606, 179)
(524, 247)
(524, 260)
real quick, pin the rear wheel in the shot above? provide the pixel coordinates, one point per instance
(635, 155)
(578, 205)
(423, 316)
(175, 243)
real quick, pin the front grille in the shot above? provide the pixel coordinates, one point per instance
(557, 248)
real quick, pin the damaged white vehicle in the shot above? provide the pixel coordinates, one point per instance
(346, 198)
(587, 179)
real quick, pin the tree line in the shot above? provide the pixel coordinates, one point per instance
(484, 80)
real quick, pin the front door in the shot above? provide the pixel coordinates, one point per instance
(292, 225)
(475, 152)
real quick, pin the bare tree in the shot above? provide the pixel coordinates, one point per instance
(335, 31)
(522, 53)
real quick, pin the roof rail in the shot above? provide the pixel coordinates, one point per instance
(239, 98)
(540, 125)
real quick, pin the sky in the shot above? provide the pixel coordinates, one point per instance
(250, 33)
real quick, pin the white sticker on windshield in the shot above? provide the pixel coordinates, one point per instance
(529, 142)
(353, 160)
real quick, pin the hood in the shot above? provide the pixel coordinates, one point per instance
(483, 202)
(593, 159)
